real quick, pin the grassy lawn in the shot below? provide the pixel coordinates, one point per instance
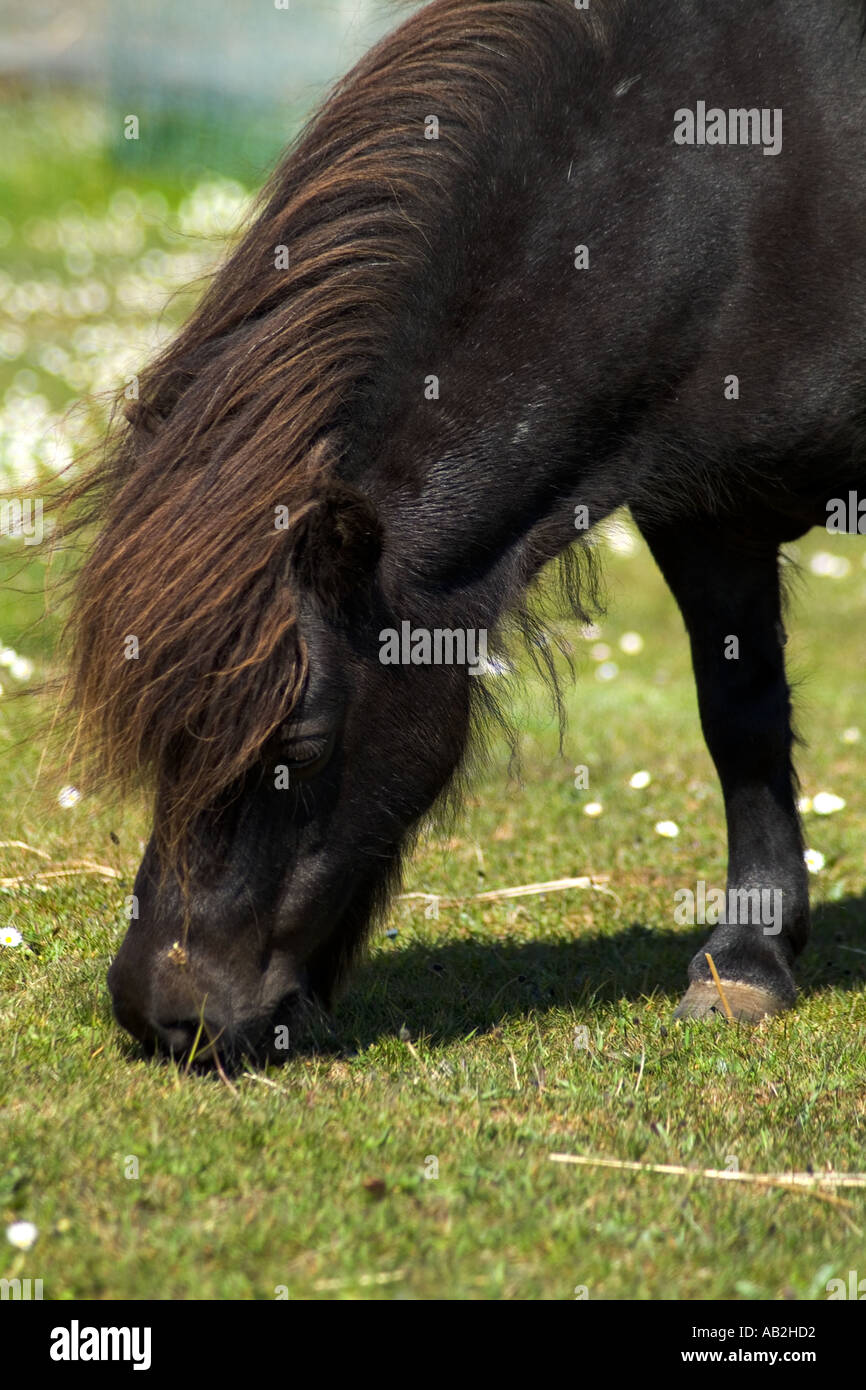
(409, 1156)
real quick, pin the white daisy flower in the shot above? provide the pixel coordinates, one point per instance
(608, 671)
(668, 828)
(621, 538)
(490, 666)
(815, 860)
(631, 643)
(851, 735)
(21, 1234)
(9, 936)
(593, 808)
(639, 780)
(68, 797)
(21, 668)
(825, 803)
(829, 566)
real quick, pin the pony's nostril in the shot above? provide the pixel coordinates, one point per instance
(178, 1036)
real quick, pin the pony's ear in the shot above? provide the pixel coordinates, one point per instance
(336, 544)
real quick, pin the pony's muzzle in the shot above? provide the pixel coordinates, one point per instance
(205, 1040)
(165, 1010)
(193, 1025)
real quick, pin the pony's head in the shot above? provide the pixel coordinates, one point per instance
(284, 800)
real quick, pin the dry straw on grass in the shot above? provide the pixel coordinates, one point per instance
(67, 870)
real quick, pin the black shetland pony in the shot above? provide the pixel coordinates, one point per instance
(530, 257)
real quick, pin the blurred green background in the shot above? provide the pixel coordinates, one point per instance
(104, 239)
(97, 230)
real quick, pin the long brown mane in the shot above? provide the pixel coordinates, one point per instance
(245, 411)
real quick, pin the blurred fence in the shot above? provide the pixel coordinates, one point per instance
(217, 84)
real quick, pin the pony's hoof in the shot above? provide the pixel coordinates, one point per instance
(747, 1003)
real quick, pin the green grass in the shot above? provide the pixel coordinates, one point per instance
(456, 1039)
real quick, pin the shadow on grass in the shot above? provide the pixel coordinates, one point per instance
(450, 990)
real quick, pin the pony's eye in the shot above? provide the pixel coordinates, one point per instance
(306, 756)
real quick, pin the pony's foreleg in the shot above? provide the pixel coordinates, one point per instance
(729, 594)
